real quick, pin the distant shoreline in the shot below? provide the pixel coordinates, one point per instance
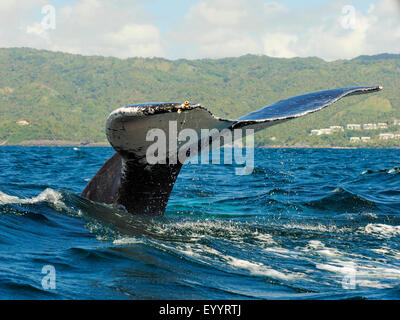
(63, 143)
(327, 147)
(55, 143)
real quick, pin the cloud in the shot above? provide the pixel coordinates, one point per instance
(218, 28)
(12, 16)
(135, 40)
(335, 30)
(210, 28)
(36, 29)
(280, 44)
(92, 27)
(220, 13)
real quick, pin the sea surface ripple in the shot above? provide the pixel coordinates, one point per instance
(306, 224)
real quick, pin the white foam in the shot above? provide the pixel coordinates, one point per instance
(190, 251)
(370, 215)
(315, 244)
(332, 268)
(197, 251)
(264, 238)
(383, 250)
(201, 229)
(315, 227)
(382, 230)
(374, 284)
(257, 268)
(48, 195)
(372, 276)
(279, 250)
(318, 247)
(5, 198)
(126, 240)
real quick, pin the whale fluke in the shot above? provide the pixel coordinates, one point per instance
(128, 179)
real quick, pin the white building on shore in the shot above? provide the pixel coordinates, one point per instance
(336, 128)
(360, 139)
(318, 132)
(386, 136)
(370, 126)
(23, 123)
(315, 132)
(382, 125)
(326, 131)
(353, 126)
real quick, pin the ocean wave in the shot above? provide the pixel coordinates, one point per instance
(52, 198)
(365, 275)
(188, 231)
(289, 230)
(394, 170)
(48, 195)
(339, 201)
(381, 230)
(29, 290)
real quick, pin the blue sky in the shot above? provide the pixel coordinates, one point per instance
(330, 29)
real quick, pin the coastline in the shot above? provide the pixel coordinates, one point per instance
(64, 143)
(55, 143)
(325, 147)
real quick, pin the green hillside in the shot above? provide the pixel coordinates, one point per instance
(68, 97)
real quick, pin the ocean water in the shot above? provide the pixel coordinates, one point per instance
(307, 224)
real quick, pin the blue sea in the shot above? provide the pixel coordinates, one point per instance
(306, 224)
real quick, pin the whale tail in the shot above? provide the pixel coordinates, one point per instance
(143, 186)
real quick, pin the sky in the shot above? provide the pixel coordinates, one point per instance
(194, 29)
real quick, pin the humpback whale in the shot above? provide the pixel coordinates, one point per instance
(128, 180)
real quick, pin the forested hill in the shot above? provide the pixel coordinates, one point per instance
(59, 96)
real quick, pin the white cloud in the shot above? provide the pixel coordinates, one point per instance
(219, 12)
(12, 16)
(279, 44)
(36, 29)
(269, 28)
(94, 27)
(210, 28)
(273, 8)
(111, 28)
(136, 40)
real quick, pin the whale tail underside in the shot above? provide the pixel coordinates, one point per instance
(130, 180)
